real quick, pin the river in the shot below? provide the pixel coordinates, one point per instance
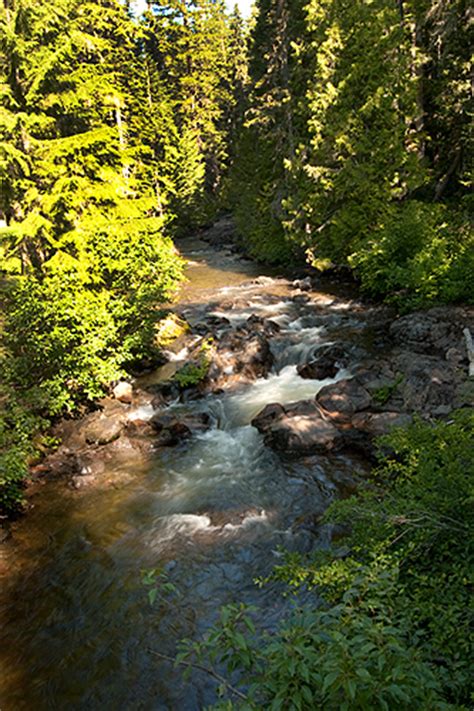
(78, 630)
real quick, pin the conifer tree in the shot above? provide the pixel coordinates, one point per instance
(188, 44)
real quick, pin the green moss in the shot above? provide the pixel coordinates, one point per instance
(383, 394)
(192, 373)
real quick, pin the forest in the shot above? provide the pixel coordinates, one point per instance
(338, 136)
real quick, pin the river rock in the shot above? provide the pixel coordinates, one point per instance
(261, 325)
(103, 430)
(62, 462)
(299, 429)
(428, 383)
(342, 399)
(432, 332)
(319, 369)
(240, 355)
(123, 392)
(303, 284)
(325, 362)
(303, 434)
(376, 424)
(270, 414)
(172, 430)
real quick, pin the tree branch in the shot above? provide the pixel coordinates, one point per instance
(201, 667)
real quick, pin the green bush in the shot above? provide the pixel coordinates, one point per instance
(77, 325)
(69, 334)
(18, 426)
(420, 254)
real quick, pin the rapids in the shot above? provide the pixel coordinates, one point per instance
(78, 631)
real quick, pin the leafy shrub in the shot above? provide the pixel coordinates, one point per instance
(192, 373)
(18, 426)
(419, 254)
(74, 326)
(68, 335)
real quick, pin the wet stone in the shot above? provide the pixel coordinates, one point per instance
(103, 431)
(342, 399)
(123, 392)
(303, 434)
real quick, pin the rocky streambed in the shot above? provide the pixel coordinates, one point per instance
(202, 476)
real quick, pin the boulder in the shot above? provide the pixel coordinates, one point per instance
(300, 435)
(319, 369)
(103, 430)
(325, 362)
(268, 416)
(428, 385)
(241, 354)
(303, 284)
(432, 332)
(342, 399)
(376, 424)
(172, 430)
(123, 392)
(259, 324)
(298, 429)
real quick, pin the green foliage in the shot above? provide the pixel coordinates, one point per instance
(383, 394)
(192, 373)
(71, 333)
(159, 587)
(356, 131)
(394, 628)
(420, 254)
(19, 424)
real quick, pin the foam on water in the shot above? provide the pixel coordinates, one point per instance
(178, 526)
(217, 460)
(251, 519)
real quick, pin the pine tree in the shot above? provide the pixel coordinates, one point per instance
(268, 138)
(187, 45)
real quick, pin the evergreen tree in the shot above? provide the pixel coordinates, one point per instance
(268, 138)
(188, 46)
(357, 123)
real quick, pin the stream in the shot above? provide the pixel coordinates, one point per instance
(77, 628)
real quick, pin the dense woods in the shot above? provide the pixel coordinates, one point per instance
(337, 133)
(355, 146)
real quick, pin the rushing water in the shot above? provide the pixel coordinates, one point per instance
(78, 631)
